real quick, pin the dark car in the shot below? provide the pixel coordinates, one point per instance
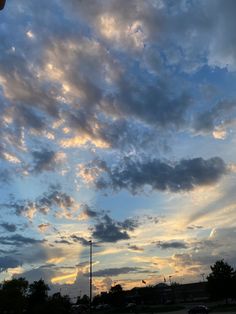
(199, 309)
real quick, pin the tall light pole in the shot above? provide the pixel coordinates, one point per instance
(90, 274)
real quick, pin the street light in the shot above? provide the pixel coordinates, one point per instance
(2, 4)
(90, 274)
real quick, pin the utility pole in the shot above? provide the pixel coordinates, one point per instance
(90, 275)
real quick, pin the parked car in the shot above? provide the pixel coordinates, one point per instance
(199, 309)
(80, 309)
(102, 307)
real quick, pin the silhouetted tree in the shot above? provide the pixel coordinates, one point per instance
(116, 289)
(58, 304)
(84, 300)
(38, 296)
(13, 296)
(221, 280)
(117, 297)
(102, 298)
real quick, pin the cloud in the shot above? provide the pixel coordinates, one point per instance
(80, 284)
(44, 160)
(109, 79)
(9, 227)
(211, 120)
(18, 239)
(114, 271)
(174, 244)
(134, 175)
(44, 227)
(46, 273)
(38, 253)
(135, 248)
(107, 101)
(87, 213)
(7, 262)
(79, 239)
(129, 224)
(109, 230)
(63, 241)
(193, 227)
(33, 253)
(54, 199)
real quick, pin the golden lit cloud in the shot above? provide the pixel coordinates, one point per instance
(11, 158)
(69, 278)
(30, 34)
(81, 140)
(219, 133)
(55, 260)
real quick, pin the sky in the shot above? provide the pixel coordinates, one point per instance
(118, 123)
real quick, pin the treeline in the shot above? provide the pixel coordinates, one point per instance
(17, 296)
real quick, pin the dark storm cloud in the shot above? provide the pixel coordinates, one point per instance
(7, 262)
(109, 230)
(109, 272)
(8, 227)
(18, 239)
(172, 245)
(134, 175)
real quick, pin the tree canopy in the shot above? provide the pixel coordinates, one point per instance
(221, 280)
